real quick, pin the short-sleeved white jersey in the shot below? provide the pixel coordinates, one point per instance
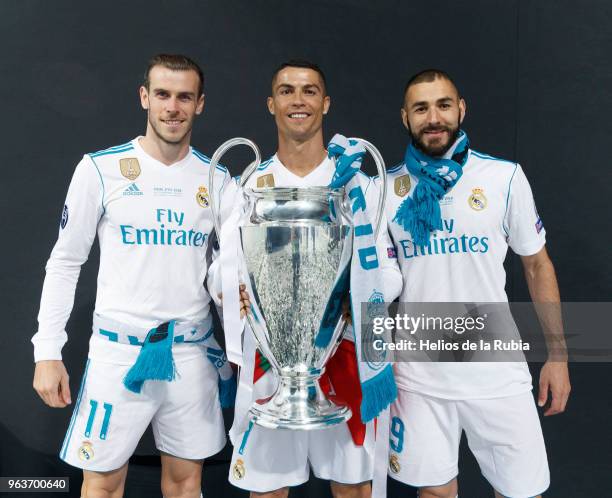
(490, 208)
(273, 173)
(153, 223)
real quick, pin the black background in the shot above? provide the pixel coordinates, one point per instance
(537, 79)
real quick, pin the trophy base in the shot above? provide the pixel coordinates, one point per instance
(298, 404)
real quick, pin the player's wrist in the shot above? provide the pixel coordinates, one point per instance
(557, 358)
(47, 352)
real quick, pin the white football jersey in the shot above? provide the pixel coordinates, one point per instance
(273, 173)
(153, 224)
(490, 208)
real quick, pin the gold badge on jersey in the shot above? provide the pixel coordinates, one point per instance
(265, 181)
(130, 168)
(86, 452)
(402, 185)
(477, 199)
(202, 196)
(394, 464)
(238, 470)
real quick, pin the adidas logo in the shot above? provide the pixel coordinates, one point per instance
(132, 190)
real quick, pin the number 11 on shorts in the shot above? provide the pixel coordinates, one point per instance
(108, 409)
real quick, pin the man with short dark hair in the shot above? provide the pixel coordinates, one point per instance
(453, 213)
(265, 461)
(148, 202)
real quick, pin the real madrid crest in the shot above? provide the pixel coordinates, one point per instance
(238, 470)
(402, 185)
(376, 304)
(130, 168)
(377, 297)
(477, 199)
(202, 196)
(86, 451)
(265, 181)
(394, 464)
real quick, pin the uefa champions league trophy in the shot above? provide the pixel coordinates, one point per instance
(297, 245)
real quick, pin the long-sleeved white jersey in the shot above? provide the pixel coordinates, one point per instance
(153, 223)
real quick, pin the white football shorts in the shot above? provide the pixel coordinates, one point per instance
(269, 459)
(109, 420)
(504, 434)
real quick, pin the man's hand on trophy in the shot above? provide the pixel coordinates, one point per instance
(245, 301)
(346, 311)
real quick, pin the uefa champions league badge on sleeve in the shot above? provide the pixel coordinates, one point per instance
(130, 168)
(64, 220)
(202, 196)
(86, 452)
(477, 199)
(539, 225)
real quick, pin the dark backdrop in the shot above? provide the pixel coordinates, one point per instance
(537, 79)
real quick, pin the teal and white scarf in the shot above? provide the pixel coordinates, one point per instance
(155, 361)
(420, 214)
(376, 376)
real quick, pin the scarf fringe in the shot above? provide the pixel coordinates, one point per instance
(378, 393)
(419, 216)
(155, 362)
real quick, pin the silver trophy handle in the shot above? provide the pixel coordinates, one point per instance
(223, 148)
(382, 173)
(251, 168)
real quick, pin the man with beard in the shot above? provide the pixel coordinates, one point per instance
(266, 461)
(453, 213)
(148, 202)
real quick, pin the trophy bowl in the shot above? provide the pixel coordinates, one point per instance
(297, 248)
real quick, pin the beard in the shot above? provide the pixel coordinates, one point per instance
(437, 149)
(171, 140)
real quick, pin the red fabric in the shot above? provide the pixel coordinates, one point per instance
(341, 373)
(261, 366)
